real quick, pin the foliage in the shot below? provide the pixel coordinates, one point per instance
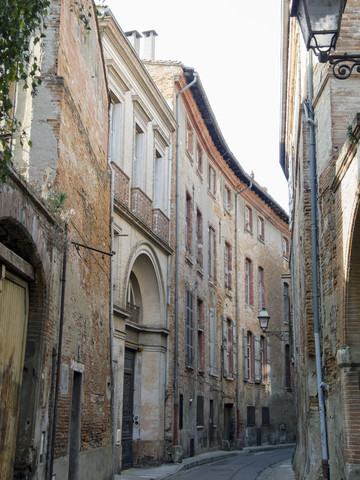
(21, 28)
(350, 134)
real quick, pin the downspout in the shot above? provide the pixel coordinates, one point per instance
(111, 306)
(58, 366)
(237, 313)
(176, 293)
(314, 251)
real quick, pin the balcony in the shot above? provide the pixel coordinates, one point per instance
(161, 224)
(141, 206)
(121, 185)
(134, 312)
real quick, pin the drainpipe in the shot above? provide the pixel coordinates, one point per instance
(176, 293)
(314, 250)
(237, 313)
(111, 306)
(58, 365)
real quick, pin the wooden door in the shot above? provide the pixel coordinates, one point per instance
(13, 327)
(127, 414)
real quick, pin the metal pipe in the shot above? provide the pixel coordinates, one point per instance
(176, 292)
(111, 306)
(314, 252)
(237, 312)
(58, 366)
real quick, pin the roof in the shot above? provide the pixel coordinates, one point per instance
(208, 116)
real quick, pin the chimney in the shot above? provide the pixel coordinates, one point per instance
(134, 38)
(149, 44)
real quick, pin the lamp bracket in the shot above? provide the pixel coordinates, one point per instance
(282, 334)
(344, 65)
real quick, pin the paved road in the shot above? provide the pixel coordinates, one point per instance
(241, 467)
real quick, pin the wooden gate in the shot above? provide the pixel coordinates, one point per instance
(13, 327)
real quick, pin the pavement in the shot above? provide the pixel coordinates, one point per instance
(279, 471)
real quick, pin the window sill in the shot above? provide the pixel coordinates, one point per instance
(199, 427)
(248, 230)
(212, 194)
(190, 155)
(188, 258)
(200, 174)
(228, 292)
(200, 271)
(212, 283)
(189, 367)
(261, 240)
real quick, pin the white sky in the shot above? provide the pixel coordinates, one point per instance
(234, 45)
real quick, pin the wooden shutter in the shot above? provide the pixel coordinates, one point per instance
(225, 345)
(213, 362)
(257, 358)
(244, 354)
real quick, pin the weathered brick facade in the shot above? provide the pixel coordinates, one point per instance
(336, 104)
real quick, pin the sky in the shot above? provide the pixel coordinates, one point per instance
(234, 45)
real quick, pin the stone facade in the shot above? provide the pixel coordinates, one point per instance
(64, 427)
(336, 105)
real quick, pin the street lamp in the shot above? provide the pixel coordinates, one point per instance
(264, 318)
(320, 22)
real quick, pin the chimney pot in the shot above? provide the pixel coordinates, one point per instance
(134, 38)
(149, 44)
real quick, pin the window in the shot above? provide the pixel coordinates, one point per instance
(212, 341)
(199, 159)
(248, 219)
(115, 132)
(261, 288)
(212, 253)
(189, 327)
(211, 180)
(199, 411)
(248, 282)
(263, 359)
(188, 223)
(287, 367)
(200, 327)
(265, 416)
(258, 358)
(159, 181)
(250, 420)
(285, 247)
(199, 238)
(181, 411)
(139, 157)
(228, 346)
(189, 140)
(248, 355)
(261, 230)
(228, 266)
(286, 303)
(227, 199)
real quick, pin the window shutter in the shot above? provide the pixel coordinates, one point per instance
(268, 350)
(234, 350)
(257, 358)
(213, 363)
(225, 344)
(244, 354)
(189, 327)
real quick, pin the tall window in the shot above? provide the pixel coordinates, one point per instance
(227, 199)
(263, 359)
(159, 181)
(228, 266)
(212, 253)
(211, 180)
(189, 327)
(212, 341)
(200, 411)
(200, 335)
(286, 303)
(261, 229)
(248, 354)
(199, 159)
(199, 237)
(287, 367)
(115, 132)
(285, 247)
(249, 299)
(248, 218)
(189, 139)
(261, 288)
(139, 157)
(228, 346)
(188, 223)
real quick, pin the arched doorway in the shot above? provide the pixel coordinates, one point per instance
(22, 326)
(145, 359)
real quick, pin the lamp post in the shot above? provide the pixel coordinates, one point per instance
(320, 22)
(264, 318)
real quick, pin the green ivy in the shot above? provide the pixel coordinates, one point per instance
(21, 28)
